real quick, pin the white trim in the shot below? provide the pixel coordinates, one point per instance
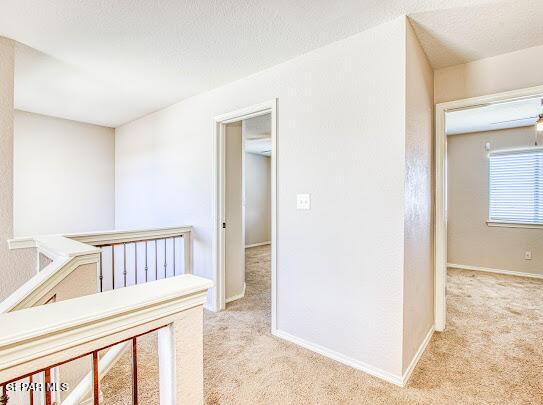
(53, 245)
(416, 358)
(237, 297)
(258, 244)
(44, 281)
(66, 255)
(440, 242)
(246, 113)
(120, 236)
(21, 243)
(243, 206)
(497, 271)
(440, 249)
(359, 365)
(520, 150)
(513, 225)
(218, 293)
(104, 237)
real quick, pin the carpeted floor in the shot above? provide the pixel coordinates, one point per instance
(491, 352)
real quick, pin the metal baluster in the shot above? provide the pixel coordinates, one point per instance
(124, 263)
(47, 386)
(165, 258)
(31, 392)
(173, 255)
(146, 264)
(95, 381)
(156, 260)
(4, 398)
(112, 267)
(134, 372)
(101, 275)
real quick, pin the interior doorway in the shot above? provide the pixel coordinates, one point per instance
(245, 203)
(516, 102)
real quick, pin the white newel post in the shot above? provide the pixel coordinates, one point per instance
(181, 356)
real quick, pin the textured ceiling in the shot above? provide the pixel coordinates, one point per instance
(257, 134)
(512, 114)
(262, 146)
(463, 34)
(109, 62)
(257, 127)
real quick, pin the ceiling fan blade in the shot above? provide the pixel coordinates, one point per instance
(518, 119)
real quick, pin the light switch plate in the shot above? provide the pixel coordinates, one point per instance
(303, 201)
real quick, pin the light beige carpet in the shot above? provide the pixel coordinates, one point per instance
(491, 352)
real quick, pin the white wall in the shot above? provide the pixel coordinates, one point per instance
(510, 71)
(470, 241)
(419, 238)
(16, 266)
(257, 199)
(333, 143)
(64, 175)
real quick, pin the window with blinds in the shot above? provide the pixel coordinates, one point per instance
(516, 186)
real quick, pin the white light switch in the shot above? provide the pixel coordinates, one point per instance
(303, 201)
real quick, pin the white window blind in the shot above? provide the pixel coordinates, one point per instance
(516, 186)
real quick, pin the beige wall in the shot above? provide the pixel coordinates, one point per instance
(418, 309)
(470, 241)
(80, 282)
(257, 199)
(15, 266)
(64, 176)
(234, 240)
(510, 71)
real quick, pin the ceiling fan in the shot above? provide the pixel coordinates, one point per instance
(538, 118)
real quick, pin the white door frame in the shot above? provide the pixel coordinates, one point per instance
(219, 122)
(440, 255)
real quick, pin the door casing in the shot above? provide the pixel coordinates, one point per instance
(219, 171)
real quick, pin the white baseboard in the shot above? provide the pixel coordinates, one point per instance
(416, 358)
(374, 371)
(258, 244)
(498, 271)
(236, 297)
(210, 307)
